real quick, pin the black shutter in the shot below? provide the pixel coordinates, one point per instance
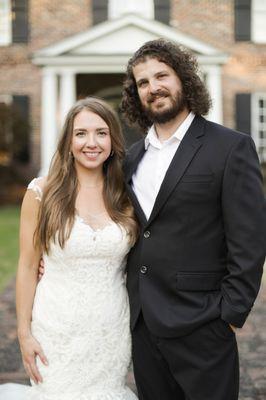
(242, 20)
(162, 11)
(99, 11)
(243, 112)
(21, 128)
(20, 23)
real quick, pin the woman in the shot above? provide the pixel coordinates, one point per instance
(73, 327)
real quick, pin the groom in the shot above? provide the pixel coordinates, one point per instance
(196, 269)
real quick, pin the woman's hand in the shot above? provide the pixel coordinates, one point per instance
(41, 269)
(30, 349)
(234, 328)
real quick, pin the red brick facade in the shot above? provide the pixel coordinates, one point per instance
(211, 21)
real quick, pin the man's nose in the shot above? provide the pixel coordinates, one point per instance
(154, 86)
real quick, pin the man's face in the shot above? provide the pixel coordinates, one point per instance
(159, 89)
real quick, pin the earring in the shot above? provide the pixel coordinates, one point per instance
(112, 153)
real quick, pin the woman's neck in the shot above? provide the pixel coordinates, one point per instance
(90, 179)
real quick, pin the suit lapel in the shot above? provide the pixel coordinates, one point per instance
(187, 149)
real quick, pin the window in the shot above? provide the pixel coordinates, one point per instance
(162, 11)
(14, 129)
(258, 110)
(5, 22)
(14, 27)
(20, 25)
(258, 21)
(152, 9)
(250, 20)
(99, 11)
(251, 119)
(117, 8)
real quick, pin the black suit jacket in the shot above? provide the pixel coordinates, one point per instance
(200, 255)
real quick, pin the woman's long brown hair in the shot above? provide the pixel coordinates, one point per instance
(57, 208)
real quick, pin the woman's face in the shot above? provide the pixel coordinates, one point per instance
(91, 140)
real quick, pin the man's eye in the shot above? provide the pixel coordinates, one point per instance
(142, 83)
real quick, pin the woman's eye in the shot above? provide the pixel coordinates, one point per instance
(80, 133)
(102, 133)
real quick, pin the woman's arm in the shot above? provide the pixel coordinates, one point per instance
(27, 278)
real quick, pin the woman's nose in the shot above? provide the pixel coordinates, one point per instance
(91, 141)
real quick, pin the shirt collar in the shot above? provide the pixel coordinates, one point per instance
(152, 137)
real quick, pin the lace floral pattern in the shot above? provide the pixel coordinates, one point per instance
(81, 316)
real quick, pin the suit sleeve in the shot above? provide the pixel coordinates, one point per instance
(244, 215)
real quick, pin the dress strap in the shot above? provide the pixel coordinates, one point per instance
(33, 185)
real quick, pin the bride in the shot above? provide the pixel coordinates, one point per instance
(73, 326)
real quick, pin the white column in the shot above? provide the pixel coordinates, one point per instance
(214, 84)
(48, 118)
(67, 93)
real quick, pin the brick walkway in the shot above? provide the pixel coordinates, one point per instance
(251, 339)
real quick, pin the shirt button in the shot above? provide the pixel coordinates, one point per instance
(147, 234)
(143, 269)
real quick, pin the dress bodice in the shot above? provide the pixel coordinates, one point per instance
(81, 315)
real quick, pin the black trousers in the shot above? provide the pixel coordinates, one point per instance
(200, 366)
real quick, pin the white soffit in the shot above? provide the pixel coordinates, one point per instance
(121, 37)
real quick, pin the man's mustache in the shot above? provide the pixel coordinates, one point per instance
(154, 96)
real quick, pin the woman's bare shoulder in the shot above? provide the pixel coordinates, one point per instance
(37, 185)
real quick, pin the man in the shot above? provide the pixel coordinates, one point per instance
(196, 269)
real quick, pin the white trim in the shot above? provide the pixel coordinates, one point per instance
(156, 28)
(107, 63)
(254, 119)
(214, 85)
(256, 125)
(258, 21)
(118, 8)
(91, 52)
(6, 98)
(67, 96)
(48, 118)
(5, 22)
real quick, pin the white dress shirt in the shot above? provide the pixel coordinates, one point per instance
(147, 179)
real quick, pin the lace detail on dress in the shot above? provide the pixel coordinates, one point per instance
(81, 317)
(33, 185)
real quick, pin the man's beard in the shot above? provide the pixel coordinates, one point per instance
(178, 104)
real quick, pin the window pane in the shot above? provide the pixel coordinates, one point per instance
(259, 124)
(258, 21)
(5, 22)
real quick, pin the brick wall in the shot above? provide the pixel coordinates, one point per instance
(212, 21)
(50, 21)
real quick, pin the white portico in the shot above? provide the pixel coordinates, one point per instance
(105, 49)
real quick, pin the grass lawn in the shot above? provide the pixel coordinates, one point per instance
(9, 227)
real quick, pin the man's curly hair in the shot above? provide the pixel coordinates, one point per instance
(182, 62)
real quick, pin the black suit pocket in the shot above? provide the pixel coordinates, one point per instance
(199, 281)
(200, 178)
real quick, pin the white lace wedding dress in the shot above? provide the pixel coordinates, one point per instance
(81, 318)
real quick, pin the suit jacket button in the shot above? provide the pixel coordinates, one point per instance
(143, 269)
(147, 234)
